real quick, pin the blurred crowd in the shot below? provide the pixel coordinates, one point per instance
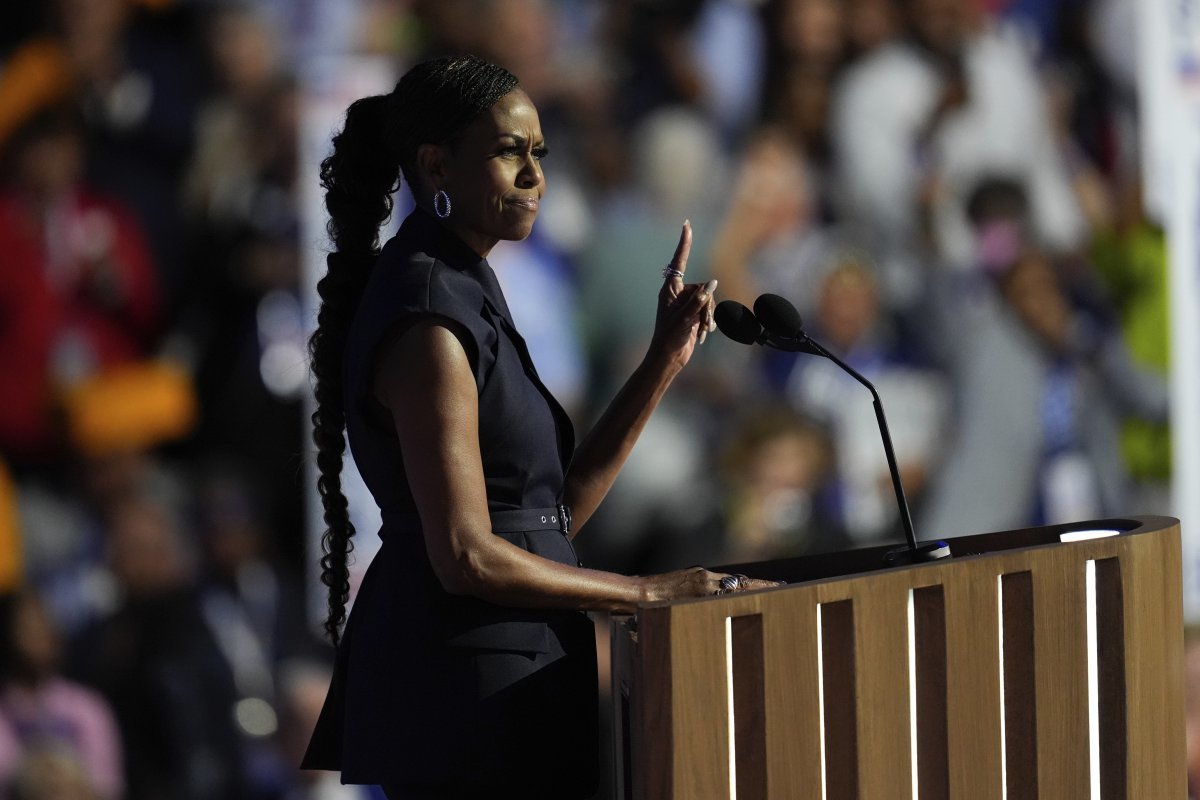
(948, 191)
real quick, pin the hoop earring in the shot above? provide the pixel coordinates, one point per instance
(440, 195)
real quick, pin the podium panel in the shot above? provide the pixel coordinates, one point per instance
(1025, 666)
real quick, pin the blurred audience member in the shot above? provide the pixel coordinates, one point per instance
(768, 492)
(1042, 388)
(78, 290)
(155, 660)
(771, 239)
(241, 325)
(676, 159)
(918, 122)
(650, 43)
(801, 109)
(238, 140)
(778, 470)
(115, 421)
(139, 80)
(43, 714)
(243, 585)
(250, 606)
(522, 36)
(1129, 256)
(851, 321)
(807, 46)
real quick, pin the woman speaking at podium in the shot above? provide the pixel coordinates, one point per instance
(467, 666)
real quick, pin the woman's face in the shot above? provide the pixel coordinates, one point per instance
(493, 174)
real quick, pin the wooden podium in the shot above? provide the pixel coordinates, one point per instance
(1023, 663)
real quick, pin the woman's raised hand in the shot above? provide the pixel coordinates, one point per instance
(685, 310)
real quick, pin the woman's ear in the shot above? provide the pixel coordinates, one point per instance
(431, 161)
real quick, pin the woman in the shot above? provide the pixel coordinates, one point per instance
(467, 667)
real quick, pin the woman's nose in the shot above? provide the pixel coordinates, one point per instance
(530, 174)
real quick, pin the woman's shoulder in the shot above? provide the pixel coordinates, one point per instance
(413, 278)
(419, 277)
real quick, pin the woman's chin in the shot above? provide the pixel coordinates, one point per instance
(517, 233)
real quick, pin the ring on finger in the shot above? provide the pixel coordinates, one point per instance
(671, 272)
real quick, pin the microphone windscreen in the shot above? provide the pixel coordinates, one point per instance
(737, 322)
(778, 316)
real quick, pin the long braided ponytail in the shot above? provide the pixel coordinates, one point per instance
(432, 103)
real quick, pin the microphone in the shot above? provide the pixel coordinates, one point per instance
(785, 329)
(738, 322)
(778, 316)
(776, 323)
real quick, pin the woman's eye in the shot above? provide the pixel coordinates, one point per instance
(538, 153)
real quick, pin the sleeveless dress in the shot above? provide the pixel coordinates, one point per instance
(435, 691)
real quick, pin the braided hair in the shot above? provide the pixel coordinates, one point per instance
(378, 144)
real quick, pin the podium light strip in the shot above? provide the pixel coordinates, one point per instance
(1083, 536)
(821, 698)
(912, 694)
(1003, 734)
(732, 735)
(1093, 679)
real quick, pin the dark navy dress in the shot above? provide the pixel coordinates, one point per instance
(435, 691)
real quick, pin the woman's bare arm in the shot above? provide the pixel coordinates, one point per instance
(425, 380)
(684, 319)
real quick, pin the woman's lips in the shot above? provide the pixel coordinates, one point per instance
(525, 203)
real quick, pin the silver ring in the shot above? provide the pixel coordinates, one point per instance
(730, 583)
(671, 272)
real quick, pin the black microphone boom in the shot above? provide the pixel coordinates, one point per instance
(782, 328)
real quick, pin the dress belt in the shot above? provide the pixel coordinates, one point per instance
(557, 518)
(532, 519)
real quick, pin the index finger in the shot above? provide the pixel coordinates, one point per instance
(679, 260)
(761, 583)
(746, 584)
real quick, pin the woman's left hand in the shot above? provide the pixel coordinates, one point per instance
(685, 310)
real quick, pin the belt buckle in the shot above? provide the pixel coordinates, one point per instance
(564, 519)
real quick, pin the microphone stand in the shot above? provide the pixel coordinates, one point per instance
(914, 553)
(785, 332)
